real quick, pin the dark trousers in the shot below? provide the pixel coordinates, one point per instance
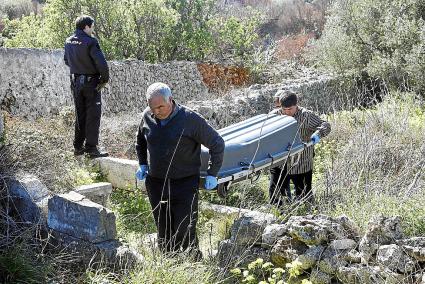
(88, 110)
(279, 188)
(175, 209)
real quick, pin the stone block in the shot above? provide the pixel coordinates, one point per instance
(30, 197)
(394, 258)
(84, 254)
(96, 192)
(249, 228)
(272, 233)
(73, 214)
(120, 173)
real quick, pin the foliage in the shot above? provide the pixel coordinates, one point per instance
(262, 272)
(245, 194)
(15, 268)
(372, 163)
(12, 9)
(382, 38)
(133, 211)
(151, 30)
(259, 271)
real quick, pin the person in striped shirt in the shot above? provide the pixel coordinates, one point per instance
(298, 168)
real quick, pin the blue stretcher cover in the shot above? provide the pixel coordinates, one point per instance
(257, 143)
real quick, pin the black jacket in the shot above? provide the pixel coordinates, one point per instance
(83, 56)
(156, 145)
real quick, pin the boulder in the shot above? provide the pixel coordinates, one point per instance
(360, 274)
(73, 214)
(287, 249)
(380, 231)
(310, 257)
(320, 277)
(394, 258)
(331, 260)
(415, 247)
(248, 229)
(315, 229)
(272, 233)
(29, 196)
(83, 253)
(231, 254)
(343, 244)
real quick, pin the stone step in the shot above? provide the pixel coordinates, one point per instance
(120, 173)
(97, 192)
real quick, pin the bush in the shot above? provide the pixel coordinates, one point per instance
(13, 9)
(154, 31)
(372, 163)
(381, 38)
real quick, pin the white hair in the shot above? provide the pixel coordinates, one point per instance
(158, 89)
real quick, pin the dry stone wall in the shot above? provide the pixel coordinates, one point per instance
(329, 250)
(35, 83)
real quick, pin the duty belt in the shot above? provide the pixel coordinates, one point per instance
(83, 77)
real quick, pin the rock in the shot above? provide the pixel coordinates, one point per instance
(29, 198)
(120, 255)
(331, 260)
(271, 234)
(393, 258)
(310, 257)
(352, 256)
(120, 173)
(360, 274)
(415, 247)
(320, 277)
(343, 244)
(73, 214)
(392, 277)
(315, 229)
(83, 253)
(351, 229)
(380, 231)
(287, 249)
(97, 192)
(231, 254)
(249, 228)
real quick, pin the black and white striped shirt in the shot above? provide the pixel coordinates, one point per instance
(308, 123)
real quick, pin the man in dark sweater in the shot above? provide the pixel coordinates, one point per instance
(168, 148)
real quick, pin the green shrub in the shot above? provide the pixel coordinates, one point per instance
(133, 211)
(381, 37)
(372, 161)
(154, 31)
(20, 265)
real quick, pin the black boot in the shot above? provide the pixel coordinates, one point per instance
(95, 153)
(79, 151)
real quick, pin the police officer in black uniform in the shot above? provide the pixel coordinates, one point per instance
(89, 73)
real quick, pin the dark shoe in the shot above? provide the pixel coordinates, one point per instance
(79, 151)
(96, 154)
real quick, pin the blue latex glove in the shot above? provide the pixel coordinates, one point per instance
(142, 172)
(210, 182)
(315, 138)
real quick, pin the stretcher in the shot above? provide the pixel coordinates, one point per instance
(259, 143)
